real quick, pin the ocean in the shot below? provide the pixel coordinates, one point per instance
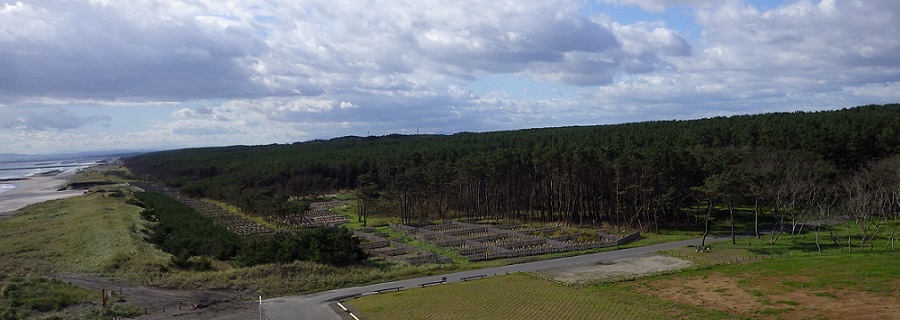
(11, 171)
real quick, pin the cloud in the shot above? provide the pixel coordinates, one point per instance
(182, 50)
(800, 55)
(76, 49)
(42, 118)
(812, 39)
(659, 5)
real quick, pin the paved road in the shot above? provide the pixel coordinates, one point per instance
(316, 306)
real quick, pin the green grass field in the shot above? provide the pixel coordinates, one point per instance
(522, 296)
(786, 287)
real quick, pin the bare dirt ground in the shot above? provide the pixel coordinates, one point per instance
(613, 269)
(166, 304)
(721, 292)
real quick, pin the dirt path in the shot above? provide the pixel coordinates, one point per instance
(166, 303)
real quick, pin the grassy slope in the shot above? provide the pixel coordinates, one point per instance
(95, 233)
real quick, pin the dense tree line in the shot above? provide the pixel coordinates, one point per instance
(637, 174)
(179, 230)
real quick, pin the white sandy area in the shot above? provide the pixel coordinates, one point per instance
(34, 189)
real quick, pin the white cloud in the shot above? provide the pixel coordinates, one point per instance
(40, 119)
(78, 50)
(660, 5)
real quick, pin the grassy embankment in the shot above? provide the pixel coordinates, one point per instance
(94, 234)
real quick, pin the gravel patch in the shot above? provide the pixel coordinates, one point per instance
(614, 269)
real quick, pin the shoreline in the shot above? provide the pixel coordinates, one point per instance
(35, 189)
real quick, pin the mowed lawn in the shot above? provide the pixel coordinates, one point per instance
(523, 296)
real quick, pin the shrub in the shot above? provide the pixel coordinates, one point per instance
(183, 232)
(323, 245)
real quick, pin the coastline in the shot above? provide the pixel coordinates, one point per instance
(35, 189)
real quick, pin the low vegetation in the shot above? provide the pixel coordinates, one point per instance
(30, 297)
(184, 233)
(22, 296)
(100, 175)
(191, 237)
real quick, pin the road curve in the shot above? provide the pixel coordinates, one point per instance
(315, 306)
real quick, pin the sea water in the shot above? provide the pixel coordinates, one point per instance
(4, 187)
(12, 171)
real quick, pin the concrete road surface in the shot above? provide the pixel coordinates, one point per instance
(315, 306)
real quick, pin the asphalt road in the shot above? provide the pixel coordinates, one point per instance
(315, 306)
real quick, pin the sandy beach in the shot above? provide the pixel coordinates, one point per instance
(34, 189)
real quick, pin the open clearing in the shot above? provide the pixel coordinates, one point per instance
(720, 292)
(614, 269)
(166, 304)
(841, 286)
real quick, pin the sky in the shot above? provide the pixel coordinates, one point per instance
(83, 75)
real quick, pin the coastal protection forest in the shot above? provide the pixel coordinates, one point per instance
(788, 169)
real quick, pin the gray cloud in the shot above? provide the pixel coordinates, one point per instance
(178, 51)
(42, 118)
(81, 50)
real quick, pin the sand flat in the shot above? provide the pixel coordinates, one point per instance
(35, 189)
